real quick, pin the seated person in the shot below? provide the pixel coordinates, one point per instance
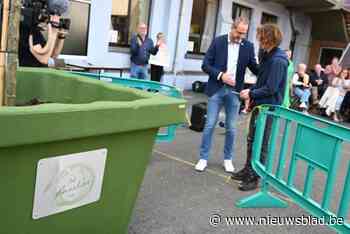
(345, 107)
(334, 95)
(301, 86)
(344, 85)
(335, 69)
(319, 80)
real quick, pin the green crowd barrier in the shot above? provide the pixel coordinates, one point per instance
(317, 144)
(165, 136)
(75, 163)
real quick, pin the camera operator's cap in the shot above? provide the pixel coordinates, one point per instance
(58, 7)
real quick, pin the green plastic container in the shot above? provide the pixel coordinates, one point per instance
(83, 115)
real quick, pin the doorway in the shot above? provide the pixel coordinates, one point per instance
(327, 54)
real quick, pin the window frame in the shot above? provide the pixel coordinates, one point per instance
(87, 33)
(269, 15)
(115, 46)
(322, 48)
(200, 55)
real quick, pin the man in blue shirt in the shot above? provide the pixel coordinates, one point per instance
(141, 47)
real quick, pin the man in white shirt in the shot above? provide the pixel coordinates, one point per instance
(225, 62)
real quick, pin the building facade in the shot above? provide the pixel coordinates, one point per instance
(190, 26)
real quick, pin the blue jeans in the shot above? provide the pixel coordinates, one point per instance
(303, 94)
(339, 102)
(139, 72)
(230, 101)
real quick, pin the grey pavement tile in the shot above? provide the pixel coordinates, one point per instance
(175, 199)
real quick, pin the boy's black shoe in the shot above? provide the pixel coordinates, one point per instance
(249, 184)
(241, 175)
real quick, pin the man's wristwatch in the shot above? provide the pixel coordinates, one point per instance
(61, 37)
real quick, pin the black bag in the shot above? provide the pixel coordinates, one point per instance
(198, 86)
(198, 116)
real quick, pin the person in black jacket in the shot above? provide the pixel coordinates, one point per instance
(320, 80)
(34, 50)
(269, 89)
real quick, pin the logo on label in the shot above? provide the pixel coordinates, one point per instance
(73, 184)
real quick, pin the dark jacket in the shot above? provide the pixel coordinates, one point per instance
(314, 77)
(140, 54)
(215, 61)
(26, 58)
(272, 78)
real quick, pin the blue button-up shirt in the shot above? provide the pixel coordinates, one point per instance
(140, 54)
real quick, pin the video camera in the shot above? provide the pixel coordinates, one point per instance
(35, 12)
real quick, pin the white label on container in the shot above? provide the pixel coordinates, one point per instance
(68, 182)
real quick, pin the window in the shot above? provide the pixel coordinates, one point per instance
(267, 18)
(77, 39)
(327, 54)
(203, 25)
(126, 15)
(241, 11)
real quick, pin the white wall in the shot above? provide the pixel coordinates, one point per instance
(225, 21)
(303, 44)
(98, 49)
(171, 27)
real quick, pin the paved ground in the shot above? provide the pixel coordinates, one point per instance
(174, 199)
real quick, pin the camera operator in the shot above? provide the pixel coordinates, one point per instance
(34, 50)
